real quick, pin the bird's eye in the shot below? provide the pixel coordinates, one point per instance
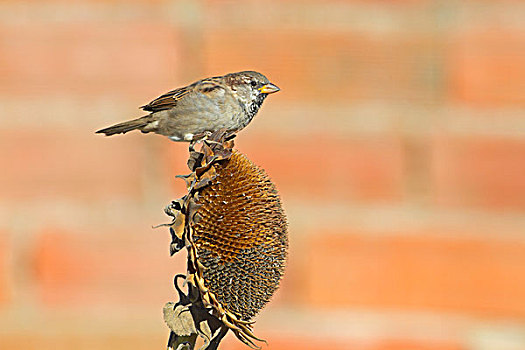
(253, 83)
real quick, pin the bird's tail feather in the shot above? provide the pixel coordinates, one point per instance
(124, 127)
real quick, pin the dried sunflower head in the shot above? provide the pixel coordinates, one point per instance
(234, 228)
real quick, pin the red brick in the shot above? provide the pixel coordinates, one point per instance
(315, 342)
(289, 343)
(136, 57)
(158, 340)
(175, 157)
(325, 66)
(407, 344)
(347, 169)
(69, 163)
(64, 340)
(487, 68)
(482, 171)
(4, 272)
(420, 272)
(128, 267)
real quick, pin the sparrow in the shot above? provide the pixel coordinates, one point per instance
(224, 102)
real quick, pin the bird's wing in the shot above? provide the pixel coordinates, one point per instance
(167, 100)
(171, 98)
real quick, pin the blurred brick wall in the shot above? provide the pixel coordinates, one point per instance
(397, 142)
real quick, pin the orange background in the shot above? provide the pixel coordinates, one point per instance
(397, 143)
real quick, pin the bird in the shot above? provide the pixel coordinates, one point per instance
(228, 102)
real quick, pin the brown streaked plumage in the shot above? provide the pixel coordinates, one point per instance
(225, 102)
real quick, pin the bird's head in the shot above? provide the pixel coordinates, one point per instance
(251, 88)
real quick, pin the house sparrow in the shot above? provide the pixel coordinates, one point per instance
(227, 102)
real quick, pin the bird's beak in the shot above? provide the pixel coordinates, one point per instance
(269, 89)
